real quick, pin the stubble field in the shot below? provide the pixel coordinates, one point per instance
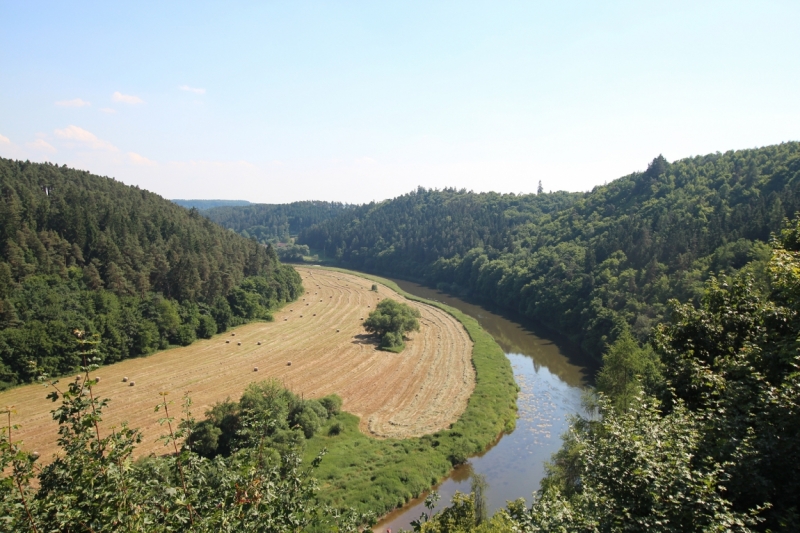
(419, 391)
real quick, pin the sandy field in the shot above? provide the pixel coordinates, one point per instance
(315, 346)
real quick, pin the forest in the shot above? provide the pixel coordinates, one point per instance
(583, 264)
(684, 278)
(85, 252)
(272, 223)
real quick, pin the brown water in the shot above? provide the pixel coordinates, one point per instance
(551, 375)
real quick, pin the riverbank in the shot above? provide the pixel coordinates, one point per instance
(381, 475)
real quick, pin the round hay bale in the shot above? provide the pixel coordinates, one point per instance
(35, 455)
(288, 363)
(285, 319)
(301, 316)
(238, 344)
(132, 383)
(315, 314)
(97, 379)
(337, 331)
(227, 342)
(125, 379)
(255, 369)
(259, 343)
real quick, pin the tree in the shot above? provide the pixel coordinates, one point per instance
(391, 320)
(627, 371)
(539, 189)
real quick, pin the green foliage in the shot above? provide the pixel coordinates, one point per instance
(294, 253)
(639, 470)
(210, 204)
(627, 371)
(93, 254)
(584, 264)
(269, 223)
(720, 450)
(286, 417)
(391, 320)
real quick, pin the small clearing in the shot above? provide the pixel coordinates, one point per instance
(315, 346)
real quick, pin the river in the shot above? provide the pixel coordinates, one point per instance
(551, 375)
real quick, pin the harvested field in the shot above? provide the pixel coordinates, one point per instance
(316, 346)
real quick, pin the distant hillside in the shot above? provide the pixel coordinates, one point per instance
(209, 204)
(585, 264)
(275, 222)
(78, 251)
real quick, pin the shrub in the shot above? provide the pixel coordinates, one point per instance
(331, 403)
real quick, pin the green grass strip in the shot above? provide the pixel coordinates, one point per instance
(382, 474)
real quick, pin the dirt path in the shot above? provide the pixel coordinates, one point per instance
(421, 390)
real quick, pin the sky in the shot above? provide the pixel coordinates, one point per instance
(358, 101)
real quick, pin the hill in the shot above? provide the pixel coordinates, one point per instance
(585, 264)
(209, 204)
(269, 223)
(79, 251)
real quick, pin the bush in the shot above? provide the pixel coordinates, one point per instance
(335, 429)
(207, 327)
(331, 403)
(185, 335)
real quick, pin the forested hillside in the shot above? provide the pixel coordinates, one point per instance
(275, 223)
(209, 204)
(585, 264)
(79, 251)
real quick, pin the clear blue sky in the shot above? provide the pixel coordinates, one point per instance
(360, 101)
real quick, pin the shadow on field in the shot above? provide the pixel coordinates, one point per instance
(364, 338)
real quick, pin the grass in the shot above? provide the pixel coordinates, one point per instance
(380, 475)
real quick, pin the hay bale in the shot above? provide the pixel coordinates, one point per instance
(227, 342)
(132, 383)
(97, 379)
(288, 363)
(35, 455)
(259, 343)
(315, 314)
(337, 331)
(238, 344)
(255, 369)
(233, 334)
(125, 379)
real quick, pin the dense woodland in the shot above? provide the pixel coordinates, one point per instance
(585, 264)
(209, 204)
(79, 251)
(269, 223)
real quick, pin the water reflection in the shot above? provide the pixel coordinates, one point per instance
(551, 375)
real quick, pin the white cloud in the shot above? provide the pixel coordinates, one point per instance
(4, 140)
(126, 98)
(192, 89)
(108, 110)
(75, 102)
(137, 159)
(41, 144)
(74, 133)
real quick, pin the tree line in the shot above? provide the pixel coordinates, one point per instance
(270, 223)
(584, 264)
(88, 252)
